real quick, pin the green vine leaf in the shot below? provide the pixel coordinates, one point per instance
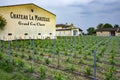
(2, 22)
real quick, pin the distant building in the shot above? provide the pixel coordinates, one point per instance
(26, 21)
(67, 30)
(108, 32)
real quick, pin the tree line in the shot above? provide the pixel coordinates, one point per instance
(92, 30)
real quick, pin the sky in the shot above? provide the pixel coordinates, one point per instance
(82, 13)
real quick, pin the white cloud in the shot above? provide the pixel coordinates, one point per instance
(62, 2)
(108, 1)
(45, 2)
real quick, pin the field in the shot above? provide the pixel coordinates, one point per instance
(66, 58)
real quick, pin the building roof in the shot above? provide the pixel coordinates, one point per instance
(63, 29)
(63, 25)
(66, 26)
(27, 4)
(109, 29)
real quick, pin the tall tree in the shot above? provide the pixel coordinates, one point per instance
(116, 26)
(107, 25)
(2, 22)
(100, 25)
(91, 30)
